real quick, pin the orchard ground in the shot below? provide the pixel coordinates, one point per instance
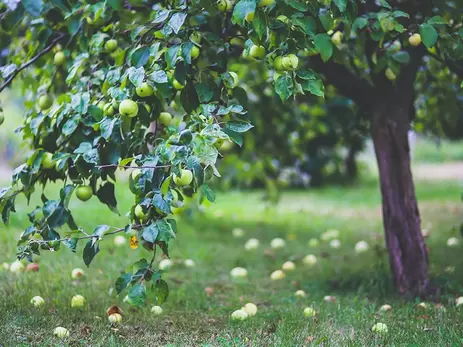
(196, 316)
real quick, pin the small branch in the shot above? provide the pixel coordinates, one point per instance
(32, 61)
(345, 81)
(132, 167)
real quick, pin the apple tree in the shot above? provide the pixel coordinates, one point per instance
(103, 78)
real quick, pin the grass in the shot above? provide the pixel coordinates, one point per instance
(361, 283)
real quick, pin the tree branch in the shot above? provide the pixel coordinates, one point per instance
(346, 82)
(32, 61)
(405, 89)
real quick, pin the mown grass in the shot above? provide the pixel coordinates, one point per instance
(361, 283)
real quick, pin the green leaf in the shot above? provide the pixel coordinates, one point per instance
(324, 46)
(159, 77)
(359, 23)
(161, 291)
(150, 233)
(385, 4)
(298, 5)
(137, 294)
(235, 137)
(239, 127)
(136, 76)
(401, 57)
(71, 244)
(307, 74)
(341, 4)
(306, 23)
(176, 21)
(92, 156)
(165, 231)
(242, 9)
(34, 7)
(284, 87)
(315, 87)
(208, 192)
(140, 57)
(429, 35)
(71, 125)
(205, 94)
(161, 16)
(122, 282)
(437, 20)
(106, 194)
(260, 24)
(116, 4)
(100, 230)
(90, 251)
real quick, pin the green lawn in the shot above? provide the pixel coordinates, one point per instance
(360, 282)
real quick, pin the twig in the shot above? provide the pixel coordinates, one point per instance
(32, 61)
(132, 167)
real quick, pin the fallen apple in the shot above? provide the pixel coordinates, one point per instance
(115, 318)
(238, 232)
(300, 293)
(250, 309)
(165, 264)
(251, 244)
(239, 315)
(16, 266)
(61, 332)
(238, 272)
(189, 263)
(310, 312)
(288, 266)
(277, 243)
(37, 301)
(310, 260)
(157, 310)
(77, 273)
(379, 328)
(77, 301)
(361, 247)
(119, 240)
(277, 275)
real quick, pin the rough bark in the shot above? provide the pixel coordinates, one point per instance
(401, 218)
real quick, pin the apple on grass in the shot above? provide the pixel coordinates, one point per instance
(250, 309)
(251, 244)
(277, 275)
(77, 273)
(310, 312)
(239, 315)
(16, 266)
(119, 240)
(189, 263)
(115, 318)
(459, 301)
(77, 301)
(37, 301)
(277, 243)
(300, 293)
(289, 266)
(165, 264)
(238, 232)
(310, 260)
(157, 310)
(61, 332)
(385, 308)
(379, 328)
(32, 267)
(239, 272)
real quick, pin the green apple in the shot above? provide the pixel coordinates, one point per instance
(185, 179)
(110, 45)
(144, 90)
(108, 110)
(115, 318)
(290, 62)
(236, 41)
(218, 143)
(47, 161)
(45, 102)
(139, 212)
(224, 5)
(101, 105)
(177, 85)
(84, 193)
(390, 74)
(128, 108)
(235, 79)
(195, 37)
(165, 118)
(194, 52)
(2, 119)
(257, 52)
(394, 47)
(77, 301)
(59, 58)
(337, 38)
(415, 40)
(263, 3)
(278, 64)
(250, 17)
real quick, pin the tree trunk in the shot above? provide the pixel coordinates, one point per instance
(407, 251)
